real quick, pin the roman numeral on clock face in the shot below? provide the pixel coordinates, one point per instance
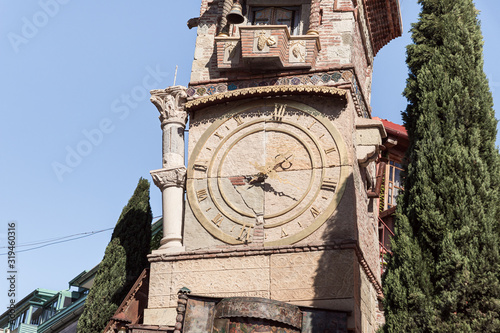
(329, 184)
(315, 211)
(330, 150)
(245, 233)
(238, 120)
(202, 195)
(279, 112)
(200, 165)
(217, 220)
(219, 135)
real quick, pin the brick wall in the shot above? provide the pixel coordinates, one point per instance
(347, 30)
(344, 39)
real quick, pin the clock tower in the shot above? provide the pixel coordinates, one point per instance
(272, 224)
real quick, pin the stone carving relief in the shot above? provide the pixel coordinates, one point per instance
(159, 284)
(231, 50)
(297, 51)
(217, 277)
(264, 40)
(170, 103)
(164, 178)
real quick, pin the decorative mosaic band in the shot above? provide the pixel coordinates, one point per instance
(263, 91)
(317, 79)
(358, 99)
(307, 80)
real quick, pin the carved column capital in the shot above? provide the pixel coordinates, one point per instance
(170, 103)
(164, 178)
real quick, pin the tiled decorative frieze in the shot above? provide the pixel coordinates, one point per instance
(316, 79)
(265, 91)
(358, 99)
(338, 77)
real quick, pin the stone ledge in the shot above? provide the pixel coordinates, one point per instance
(250, 250)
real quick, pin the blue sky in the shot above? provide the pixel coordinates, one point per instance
(79, 72)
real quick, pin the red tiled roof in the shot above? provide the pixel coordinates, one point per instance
(393, 128)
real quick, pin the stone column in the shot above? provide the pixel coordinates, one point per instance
(172, 177)
(314, 18)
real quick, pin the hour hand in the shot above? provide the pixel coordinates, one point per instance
(263, 172)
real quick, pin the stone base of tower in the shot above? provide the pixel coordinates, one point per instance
(330, 277)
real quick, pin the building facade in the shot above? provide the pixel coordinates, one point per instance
(49, 311)
(389, 182)
(278, 229)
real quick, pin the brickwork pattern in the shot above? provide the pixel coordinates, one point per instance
(384, 18)
(344, 38)
(348, 32)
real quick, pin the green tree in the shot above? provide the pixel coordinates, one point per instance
(444, 274)
(124, 259)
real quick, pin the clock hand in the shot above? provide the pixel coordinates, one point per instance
(283, 161)
(258, 178)
(270, 169)
(273, 174)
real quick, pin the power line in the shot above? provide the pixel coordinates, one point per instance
(56, 241)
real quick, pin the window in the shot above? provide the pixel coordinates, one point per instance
(35, 315)
(393, 183)
(21, 319)
(48, 311)
(289, 16)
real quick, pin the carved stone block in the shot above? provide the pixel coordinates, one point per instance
(298, 51)
(312, 275)
(369, 134)
(221, 277)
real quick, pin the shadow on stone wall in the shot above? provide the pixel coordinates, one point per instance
(334, 282)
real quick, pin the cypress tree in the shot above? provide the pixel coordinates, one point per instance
(124, 259)
(445, 269)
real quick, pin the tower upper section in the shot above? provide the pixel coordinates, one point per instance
(288, 37)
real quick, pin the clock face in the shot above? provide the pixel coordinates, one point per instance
(270, 172)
